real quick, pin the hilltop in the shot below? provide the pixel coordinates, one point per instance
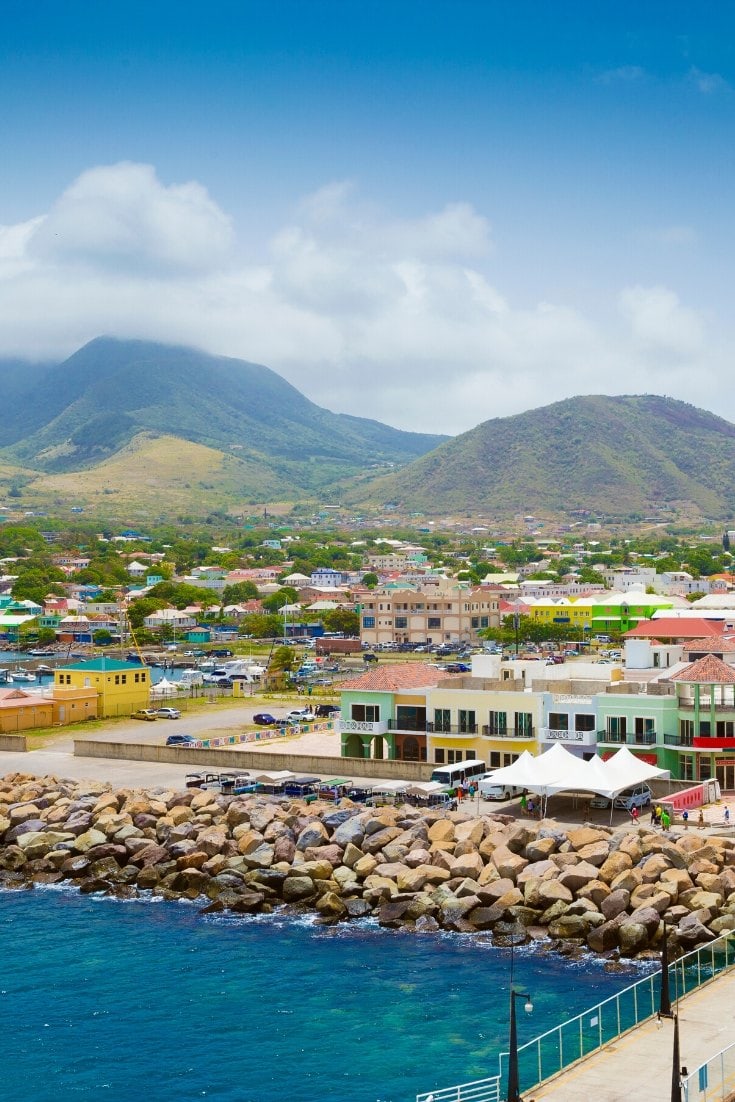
(614, 456)
(114, 397)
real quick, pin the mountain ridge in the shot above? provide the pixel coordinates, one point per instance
(615, 455)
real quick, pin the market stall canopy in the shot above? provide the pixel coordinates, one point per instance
(560, 771)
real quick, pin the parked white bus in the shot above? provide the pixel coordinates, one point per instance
(462, 772)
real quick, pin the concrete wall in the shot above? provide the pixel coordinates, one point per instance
(255, 760)
(15, 744)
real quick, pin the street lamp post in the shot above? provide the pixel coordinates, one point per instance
(664, 1005)
(676, 1070)
(513, 1090)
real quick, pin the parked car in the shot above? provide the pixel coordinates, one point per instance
(639, 796)
(265, 719)
(168, 713)
(490, 790)
(457, 667)
(181, 740)
(145, 713)
(300, 715)
(323, 710)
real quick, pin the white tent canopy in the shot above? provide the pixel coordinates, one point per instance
(560, 771)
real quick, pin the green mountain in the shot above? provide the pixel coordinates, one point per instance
(76, 414)
(611, 456)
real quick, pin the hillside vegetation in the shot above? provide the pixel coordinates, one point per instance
(615, 456)
(74, 415)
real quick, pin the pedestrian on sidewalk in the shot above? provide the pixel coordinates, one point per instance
(727, 815)
(700, 820)
(634, 815)
(685, 817)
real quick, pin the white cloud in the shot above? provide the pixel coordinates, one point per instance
(398, 319)
(661, 325)
(624, 74)
(122, 215)
(708, 83)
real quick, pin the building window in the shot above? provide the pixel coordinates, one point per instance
(497, 723)
(725, 728)
(494, 759)
(434, 622)
(523, 723)
(617, 725)
(124, 679)
(401, 621)
(705, 729)
(686, 765)
(686, 732)
(453, 756)
(467, 723)
(117, 678)
(366, 713)
(368, 621)
(558, 721)
(439, 756)
(484, 622)
(584, 723)
(705, 768)
(442, 720)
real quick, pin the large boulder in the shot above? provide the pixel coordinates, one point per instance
(576, 876)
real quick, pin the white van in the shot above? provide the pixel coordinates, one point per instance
(490, 790)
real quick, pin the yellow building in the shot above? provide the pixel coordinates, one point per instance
(121, 687)
(491, 722)
(21, 711)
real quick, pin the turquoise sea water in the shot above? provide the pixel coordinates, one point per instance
(125, 1001)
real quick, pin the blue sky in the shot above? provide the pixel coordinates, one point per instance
(481, 207)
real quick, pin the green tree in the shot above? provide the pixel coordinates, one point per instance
(239, 592)
(282, 659)
(342, 620)
(370, 579)
(285, 596)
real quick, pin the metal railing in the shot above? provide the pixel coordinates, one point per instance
(508, 732)
(451, 729)
(713, 1081)
(628, 738)
(573, 1040)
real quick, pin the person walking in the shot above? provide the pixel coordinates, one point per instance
(685, 817)
(727, 815)
(634, 815)
(665, 819)
(700, 821)
(524, 804)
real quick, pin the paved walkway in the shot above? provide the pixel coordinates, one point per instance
(638, 1066)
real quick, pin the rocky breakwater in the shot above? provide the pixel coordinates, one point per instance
(585, 888)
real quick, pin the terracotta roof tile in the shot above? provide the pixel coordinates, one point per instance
(709, 670)
(673, 627)
(715, 644)
(398, 676)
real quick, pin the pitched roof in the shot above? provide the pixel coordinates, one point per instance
(675, 627)
(103, 665)
(398, 676)
(709, 670)
(715, 644)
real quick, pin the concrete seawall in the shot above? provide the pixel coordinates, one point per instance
(254, 760)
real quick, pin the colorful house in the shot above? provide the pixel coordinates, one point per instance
(386, 710)
(121, 687)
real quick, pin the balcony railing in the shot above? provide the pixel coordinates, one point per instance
(678, 740)
(451, 729)
(628, 738)
(363, 727)
(508, 732)
(417, 726)
(550, 734)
